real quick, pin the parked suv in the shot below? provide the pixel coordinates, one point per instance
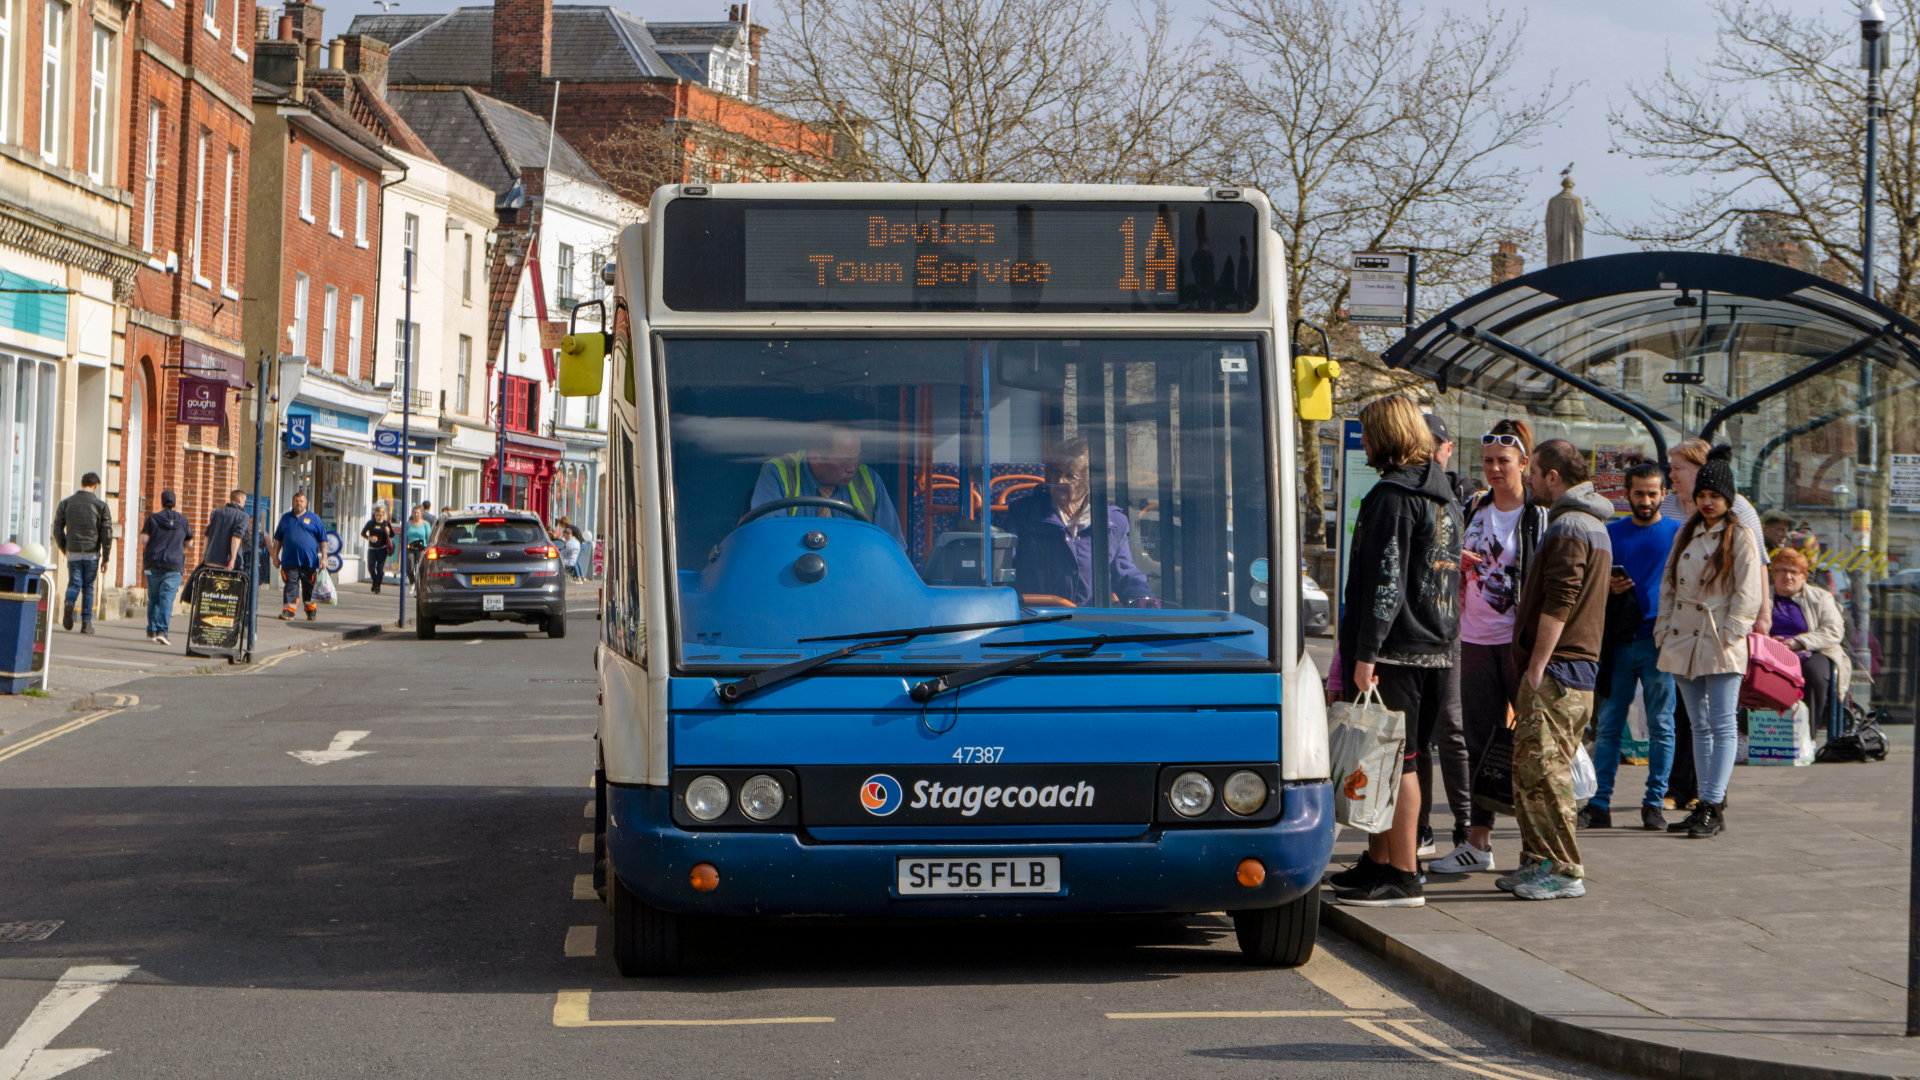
(497, 565)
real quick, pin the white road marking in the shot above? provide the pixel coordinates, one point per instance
(1347, 984)
(1288, 1014)
(583, 887)
(570, 1009)
(582, 940)
(338, 750)
(586, 843)
(26, 1057)
(1436, 1051)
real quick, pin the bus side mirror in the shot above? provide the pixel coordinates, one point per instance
(583, 355)
(1313, 386)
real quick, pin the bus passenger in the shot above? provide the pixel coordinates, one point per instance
(831, 469)
(1053, 544)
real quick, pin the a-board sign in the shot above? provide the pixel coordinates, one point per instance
(217, 625)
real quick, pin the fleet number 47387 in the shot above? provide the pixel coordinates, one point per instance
(978, 755)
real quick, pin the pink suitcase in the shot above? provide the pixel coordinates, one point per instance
(1773, 675)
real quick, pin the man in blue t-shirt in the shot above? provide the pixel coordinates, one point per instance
(1641, 544)
(297, 543)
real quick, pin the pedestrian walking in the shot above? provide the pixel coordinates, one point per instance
(83, 531)
(162, 561)
(1402, 618)
(378, 533)
(1641, 543)
(1560, 623)
(298, 541)
(426, 511)
(1715, 587)
(227, 529)
(1503, 529)
(417, 531)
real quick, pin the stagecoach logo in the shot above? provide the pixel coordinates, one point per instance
(880, 794)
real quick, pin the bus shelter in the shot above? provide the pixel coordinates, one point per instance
(1815, 385)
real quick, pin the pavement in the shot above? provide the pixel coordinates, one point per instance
(1776, 951)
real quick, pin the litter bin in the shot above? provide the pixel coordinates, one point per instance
(26, 606)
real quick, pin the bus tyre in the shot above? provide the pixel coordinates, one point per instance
(557, 625)
(1279, 936)
(646, 940)
(424, 628)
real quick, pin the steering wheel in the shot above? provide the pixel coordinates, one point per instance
(778, 505)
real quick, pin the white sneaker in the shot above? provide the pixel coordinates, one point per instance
(1465, 859)
(161, 639)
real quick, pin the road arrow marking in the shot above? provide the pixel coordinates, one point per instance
(26, 1057)
(335, 751)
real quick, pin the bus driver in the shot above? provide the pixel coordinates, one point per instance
(1053, 541)
(830, 468)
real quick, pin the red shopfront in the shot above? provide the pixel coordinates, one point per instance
(531, 463)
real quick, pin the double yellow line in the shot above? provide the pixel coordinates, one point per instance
(122, 702)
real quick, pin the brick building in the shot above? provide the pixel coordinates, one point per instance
(187, 121)
(319, 161)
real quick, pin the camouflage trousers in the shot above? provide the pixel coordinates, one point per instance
(1546, 735)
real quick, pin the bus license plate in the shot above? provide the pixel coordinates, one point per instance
(493, 602)
(493, 579)
(949, 877)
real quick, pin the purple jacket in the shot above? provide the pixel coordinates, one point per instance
(1045, 561)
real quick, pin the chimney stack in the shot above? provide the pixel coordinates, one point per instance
(1507, 263)
(368, 57)
(307, 19)
(522, 52)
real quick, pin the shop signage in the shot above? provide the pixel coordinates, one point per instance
(299, 432)
(202, 402)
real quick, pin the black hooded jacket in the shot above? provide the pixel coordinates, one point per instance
(1403, 569)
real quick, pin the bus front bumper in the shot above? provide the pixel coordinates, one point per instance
(780, 873)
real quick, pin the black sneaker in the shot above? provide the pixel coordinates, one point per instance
(66, 616)
(1359, 875)
(1594, 817)
(1394, 888)
(1426, 841)
(1652, 820)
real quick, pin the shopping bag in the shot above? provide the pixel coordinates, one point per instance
(323, 588)
(1586, 782)
(1773, 678)
(1779, 737)
(1635, 747)
(1367, 743)
(1493, 783)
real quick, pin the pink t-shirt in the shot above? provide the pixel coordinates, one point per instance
(1492, 584)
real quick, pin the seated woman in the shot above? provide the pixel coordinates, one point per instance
(1806, 619)
(1053, 542)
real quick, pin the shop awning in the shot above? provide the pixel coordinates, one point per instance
(355, 455)
(1557, 331)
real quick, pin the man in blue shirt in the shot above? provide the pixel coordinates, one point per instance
(1641, 544)
(298, 541)
(830, 469)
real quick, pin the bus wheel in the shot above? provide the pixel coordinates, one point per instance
(646, 940)
(423, 629)
(1279, 936)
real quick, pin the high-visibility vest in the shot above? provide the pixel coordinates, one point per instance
(788, 467)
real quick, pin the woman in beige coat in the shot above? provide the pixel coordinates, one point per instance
(1715, 589)
(1806, 619)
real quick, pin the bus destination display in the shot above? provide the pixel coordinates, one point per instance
(964, 257)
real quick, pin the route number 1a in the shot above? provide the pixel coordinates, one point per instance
(1160, 261)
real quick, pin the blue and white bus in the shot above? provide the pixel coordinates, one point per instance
(864, 650)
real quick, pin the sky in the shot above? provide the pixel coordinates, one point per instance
(1601, 47)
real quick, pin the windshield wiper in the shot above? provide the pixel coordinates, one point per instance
(875, 639)
(1075, 647)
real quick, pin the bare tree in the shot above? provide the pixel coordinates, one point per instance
(1371, 125)
(1774, 124)
(983, 91)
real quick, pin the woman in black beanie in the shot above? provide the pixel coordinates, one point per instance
(1715, 587)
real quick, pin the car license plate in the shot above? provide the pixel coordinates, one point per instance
(493, 602)
(951, 877)
(493, 579)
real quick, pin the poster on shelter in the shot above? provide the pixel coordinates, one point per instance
(1903, 476)
(1610, 464)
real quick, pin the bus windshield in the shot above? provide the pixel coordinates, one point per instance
(1121, 482)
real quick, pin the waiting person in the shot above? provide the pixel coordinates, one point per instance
(1052, 527)
(570, 552)
(1685, 464)
(1556, 648)
(831, 469)
(1402, 607)
(1775, 527)
(1503, 529)
(378, 532)
(1459, 798)
(1806, 619)
(298, 541)
(163, 560)
(83, 531)
(1714, 590)
(1641, 543)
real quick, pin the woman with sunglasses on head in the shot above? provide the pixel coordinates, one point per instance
(1503, 528)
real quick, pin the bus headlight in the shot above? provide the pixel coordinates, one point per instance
(1191, 794)
(762, 797)
(707, 797)
(1245, 793)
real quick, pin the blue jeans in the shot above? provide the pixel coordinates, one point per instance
(81, 572)
(162, 587)
(1713, 702)
(1634, 662)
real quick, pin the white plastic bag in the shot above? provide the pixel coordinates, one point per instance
(1366, 742)
(323, 587)
(1586, 782)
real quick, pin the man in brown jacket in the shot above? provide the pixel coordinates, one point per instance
(1558, 630)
